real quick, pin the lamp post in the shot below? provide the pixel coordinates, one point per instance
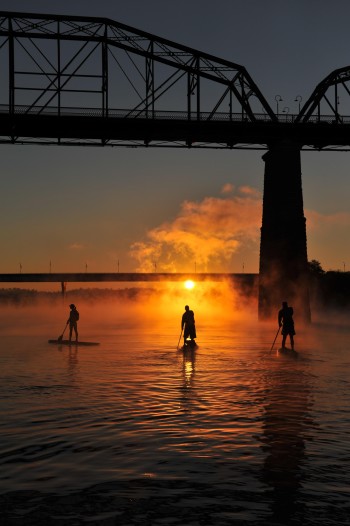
(278, 99)
(298, 99)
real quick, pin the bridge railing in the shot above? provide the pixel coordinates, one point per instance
(129, 113)
(164, 115)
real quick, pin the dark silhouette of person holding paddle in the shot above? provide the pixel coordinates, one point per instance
(188, 325)
(285, 320)
(72, 320)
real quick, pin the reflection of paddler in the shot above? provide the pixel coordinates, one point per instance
(188, 325)
(286, 429)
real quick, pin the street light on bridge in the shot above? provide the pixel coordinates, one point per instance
(278, 99)
(298, 99)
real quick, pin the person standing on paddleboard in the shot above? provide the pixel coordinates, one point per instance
(188, 325)
(72, 320)
(285, 320)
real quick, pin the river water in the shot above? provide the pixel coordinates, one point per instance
(134, 431)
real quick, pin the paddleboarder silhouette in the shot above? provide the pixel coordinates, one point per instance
(72, 320)
(188, 325)
(285, 320)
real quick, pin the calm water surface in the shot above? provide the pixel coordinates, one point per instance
(228, 434)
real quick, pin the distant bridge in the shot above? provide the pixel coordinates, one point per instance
(95, 277)
(247, 283)
(85, 81)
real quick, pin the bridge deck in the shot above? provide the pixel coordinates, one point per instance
(113, 131)
(91, 277)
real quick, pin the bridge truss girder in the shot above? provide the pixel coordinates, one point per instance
(44, 57)
(327, 94)
(100, 82)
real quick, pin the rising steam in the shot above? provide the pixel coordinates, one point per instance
(208, 232)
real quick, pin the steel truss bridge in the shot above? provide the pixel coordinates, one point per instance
(93, 81)
(71, 80)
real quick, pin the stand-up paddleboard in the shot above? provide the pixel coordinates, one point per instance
(288, 352)
(190, 345)
(73, 343)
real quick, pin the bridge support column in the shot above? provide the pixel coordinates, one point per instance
(283, 274)
(63, 289)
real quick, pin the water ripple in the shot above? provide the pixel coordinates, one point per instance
(228, 434)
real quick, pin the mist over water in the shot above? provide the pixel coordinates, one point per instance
(228, 433)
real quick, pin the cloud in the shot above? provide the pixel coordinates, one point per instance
(208, 232)
(76, 246)
(228, 188)
(250, 191)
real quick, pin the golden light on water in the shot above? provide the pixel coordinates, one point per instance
(189, 284)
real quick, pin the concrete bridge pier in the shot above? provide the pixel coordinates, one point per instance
(283, 273)
(63, 289)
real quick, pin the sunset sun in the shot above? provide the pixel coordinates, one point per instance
(189, 284)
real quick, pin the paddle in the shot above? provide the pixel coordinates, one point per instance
(180, 337)
(279, 328)
(59, 339)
